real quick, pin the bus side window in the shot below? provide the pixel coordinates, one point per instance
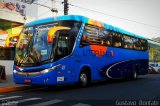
(146, 45)
(105, 37)
(117, 39)
(127, 42)
(136, 44)
(90, 36)
(96, 36)
(84, 39)
(62, 46)
(143, 45)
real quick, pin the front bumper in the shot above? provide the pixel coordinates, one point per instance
(43, 79)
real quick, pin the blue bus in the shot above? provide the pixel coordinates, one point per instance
(75, 49)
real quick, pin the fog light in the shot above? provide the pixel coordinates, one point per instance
(14, 71)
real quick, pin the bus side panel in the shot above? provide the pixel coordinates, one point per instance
(122, 62)
(125, 61)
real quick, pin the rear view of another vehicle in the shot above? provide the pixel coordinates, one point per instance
(151, 70)
(154, 69)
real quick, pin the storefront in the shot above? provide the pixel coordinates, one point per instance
(13, 15)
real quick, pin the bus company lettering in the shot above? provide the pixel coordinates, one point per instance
(98, 53)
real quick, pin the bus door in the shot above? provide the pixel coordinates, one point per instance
(62, 48)
(62, 45)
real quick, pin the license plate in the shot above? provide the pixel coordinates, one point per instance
(60, 79)
(27, 80)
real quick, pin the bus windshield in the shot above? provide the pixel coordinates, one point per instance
(35, 46)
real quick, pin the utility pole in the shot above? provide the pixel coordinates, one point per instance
(66, 7)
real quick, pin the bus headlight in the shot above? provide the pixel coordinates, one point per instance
(50, 69)
(37, 73)
(45, 71)
(14, 71)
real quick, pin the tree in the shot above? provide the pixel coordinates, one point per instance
(153, 53)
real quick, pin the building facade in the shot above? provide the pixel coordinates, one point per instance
(13, 15)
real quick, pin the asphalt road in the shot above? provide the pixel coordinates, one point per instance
(143, 92)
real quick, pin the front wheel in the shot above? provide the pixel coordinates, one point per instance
(83, 79)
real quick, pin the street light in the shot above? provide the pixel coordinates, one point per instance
(66, 8)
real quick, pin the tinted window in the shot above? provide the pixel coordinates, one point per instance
(90, 36)
(128, 42)
(96, 36)
(105, 36)
(117, 39)
(143, 44)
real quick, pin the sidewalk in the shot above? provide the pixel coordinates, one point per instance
(8, 82)
(10, 86)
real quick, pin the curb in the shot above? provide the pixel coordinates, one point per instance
(14, 88)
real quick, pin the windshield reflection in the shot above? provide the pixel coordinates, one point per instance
(33, 47)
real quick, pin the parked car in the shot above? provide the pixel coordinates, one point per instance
(159, 70)
(152, 70)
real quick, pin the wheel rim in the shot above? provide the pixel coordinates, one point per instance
(135, 75)
(83, 79)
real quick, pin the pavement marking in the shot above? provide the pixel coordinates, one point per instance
(48, 103)
(81, 104)
(29, 99)
(25, 100)
(10, 97)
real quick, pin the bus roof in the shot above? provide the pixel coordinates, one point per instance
(154, 42)
(84, 20)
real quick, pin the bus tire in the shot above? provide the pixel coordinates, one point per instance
(84, 78)
(135, 73)
(134, 76)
